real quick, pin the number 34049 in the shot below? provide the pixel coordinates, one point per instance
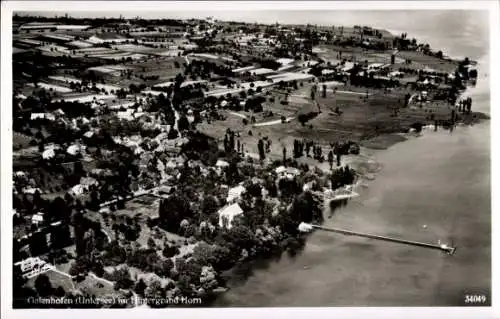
(470, 299)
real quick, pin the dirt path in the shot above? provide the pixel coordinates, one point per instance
(275, 122)
(238, 114)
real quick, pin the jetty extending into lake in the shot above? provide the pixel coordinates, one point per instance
(444, 247)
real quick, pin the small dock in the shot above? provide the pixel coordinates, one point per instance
(448, 249)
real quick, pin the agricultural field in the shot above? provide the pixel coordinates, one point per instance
(113, 70)
(136, 48)
(80, 44)
(421, 61)
(51, 87)
(85, 98)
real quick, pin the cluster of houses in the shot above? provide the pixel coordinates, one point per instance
(111, 100)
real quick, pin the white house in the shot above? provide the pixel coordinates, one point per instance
(287, 172)
(221, 163)
(78, 190)
(284, 61)
(47, 116)
(37, 218)
(48, 154)
(347, 67)
(31, 190)
(73, 149)
(228, 213)
(327, 71)
(235, 193)
(88, 134)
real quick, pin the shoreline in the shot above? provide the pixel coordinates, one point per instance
(364, 159)
(410, 189)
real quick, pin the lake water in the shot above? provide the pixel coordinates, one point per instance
(440, 180)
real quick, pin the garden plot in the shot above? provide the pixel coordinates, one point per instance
(121, 55)
(64, 79)
(134, 48)
(55, 49)
(287, 77)
(86, 98)
(183, 84)
(52, 87)
(30, 42)
(108, 87)
(171, 53)
(109, 69)
(94, 50)
(109, 54)
(80, 44)
(59, 36)
(164, 84)
(71, 27)
(118, 106)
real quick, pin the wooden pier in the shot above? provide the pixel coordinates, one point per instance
(446, 248)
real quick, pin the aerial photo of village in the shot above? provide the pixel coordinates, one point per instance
(165, 162)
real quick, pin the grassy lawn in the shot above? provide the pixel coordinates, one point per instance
(94, 286)
(56, 280)
(362, 118)
(420, 60)
(20, 141)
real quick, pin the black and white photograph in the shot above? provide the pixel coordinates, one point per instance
(170, 155)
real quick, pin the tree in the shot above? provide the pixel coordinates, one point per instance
(330, 159)
(209, 205)
(43, 286)
(140, 286)
(173, 210)
(473, 74)
(170, 250)
(151, 243)
(260, 146)
(183, 123)
(307, 207)
(313, 92)
(172, 134)
(122, 278)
